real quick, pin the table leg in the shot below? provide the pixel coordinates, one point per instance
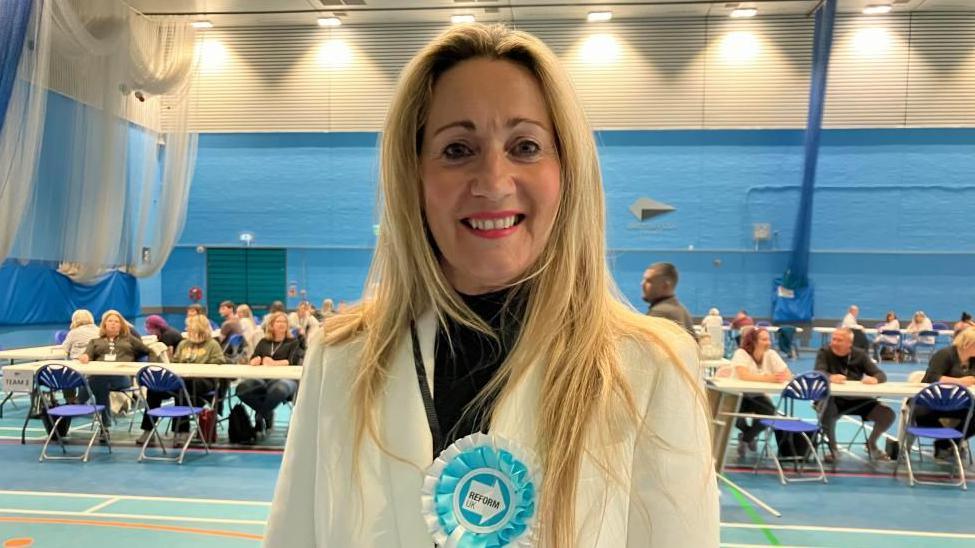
(720, 403)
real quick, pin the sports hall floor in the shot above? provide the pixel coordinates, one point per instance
(222, 499)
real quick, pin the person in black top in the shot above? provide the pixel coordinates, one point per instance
(156, 325)
(467, 360)
(116, 344)
(842, 362)
(277, 348)
(954, 364)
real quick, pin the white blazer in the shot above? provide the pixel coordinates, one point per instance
(317, 502)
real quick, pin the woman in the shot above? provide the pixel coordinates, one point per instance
(198, 347)
(493, 249)
(156, 325)
(964, 323)
(82, 331)
(920, 322)
(756, 361)
(278, 347)
(115, 343)
(891, 323)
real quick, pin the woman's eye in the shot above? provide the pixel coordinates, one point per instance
(527, 149)
(456, 151)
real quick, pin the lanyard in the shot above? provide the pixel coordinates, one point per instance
(421, 377)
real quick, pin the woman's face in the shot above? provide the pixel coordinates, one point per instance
(279, 327)
(890, 316)
(112, 326)
(490, 172)
(762, 342)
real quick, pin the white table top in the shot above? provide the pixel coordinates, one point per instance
(53, 352)
(210, 371)
(849, 388)
(873, 331)
(34, 353)
(771, 328)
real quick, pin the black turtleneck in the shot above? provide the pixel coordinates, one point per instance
(468, 360)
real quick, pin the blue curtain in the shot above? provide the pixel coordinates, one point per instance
(14, 16)
(36, 293)
(797, 274)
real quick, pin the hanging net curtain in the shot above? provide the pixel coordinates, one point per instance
(108, 181)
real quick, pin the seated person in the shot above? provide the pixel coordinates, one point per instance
(891, 323)
(276, 306)
(197, 347)
(82, 331)
(156, 325)
(964, 323)
(277, 348)
(114, 344)
(739, 322)
(920, 322)
(954, 364)
(756, 361)
(842, 362)
(851, 319)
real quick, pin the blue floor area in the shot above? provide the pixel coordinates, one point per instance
(223, 499)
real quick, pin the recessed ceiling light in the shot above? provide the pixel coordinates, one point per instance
(202, 24)
(329, 22)
(460, 19)
(744, 12)
(599, 16)
(877, 9)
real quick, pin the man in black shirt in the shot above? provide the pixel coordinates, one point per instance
(954, 364)
(842, 362)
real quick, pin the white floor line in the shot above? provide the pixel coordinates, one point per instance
(101, 505)
(858, 422)
(134, 516)
(133, 497)
(729, 545)
(885, 532)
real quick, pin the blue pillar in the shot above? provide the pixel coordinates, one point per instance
(797, 274)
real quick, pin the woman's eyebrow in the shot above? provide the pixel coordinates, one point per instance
(471, 126)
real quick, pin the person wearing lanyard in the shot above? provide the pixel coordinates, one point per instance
(490, 307)
(278, 347)
(842, 362)
(114, 344)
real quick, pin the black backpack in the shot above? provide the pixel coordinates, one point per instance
(240, 428)
(792, 445)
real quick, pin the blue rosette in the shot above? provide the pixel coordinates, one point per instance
(481, 492)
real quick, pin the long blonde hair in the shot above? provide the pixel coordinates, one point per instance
(198, 329)
(583, 380)
(81, 317)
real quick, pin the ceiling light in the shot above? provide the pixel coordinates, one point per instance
(744, 12)
(461, 19)
(202, 24)
(599, 16)
(877, 9)
(329, 22)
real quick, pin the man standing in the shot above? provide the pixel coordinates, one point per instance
(659, 283)
(842, 362)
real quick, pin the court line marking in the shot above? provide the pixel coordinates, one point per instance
(731, 545)
(101, 505)
(134, 516)
(857, 530)
(135, 497)
(149, 526)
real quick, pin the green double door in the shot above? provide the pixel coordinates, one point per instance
(256, 276)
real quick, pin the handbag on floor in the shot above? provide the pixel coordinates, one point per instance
(208, 425)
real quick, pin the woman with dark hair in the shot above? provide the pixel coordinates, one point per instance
(756, 361)
(964, 323)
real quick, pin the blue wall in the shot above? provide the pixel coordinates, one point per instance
(888, 223)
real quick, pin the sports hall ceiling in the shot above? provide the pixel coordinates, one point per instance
(249, 13)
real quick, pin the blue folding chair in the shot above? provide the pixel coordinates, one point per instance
(926, 340)
(160, 379)
(53, 378)
(814, 387)
(941, 398)
(59, 336)
(889, 339)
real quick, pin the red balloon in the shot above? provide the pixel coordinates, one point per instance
(196, 294)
